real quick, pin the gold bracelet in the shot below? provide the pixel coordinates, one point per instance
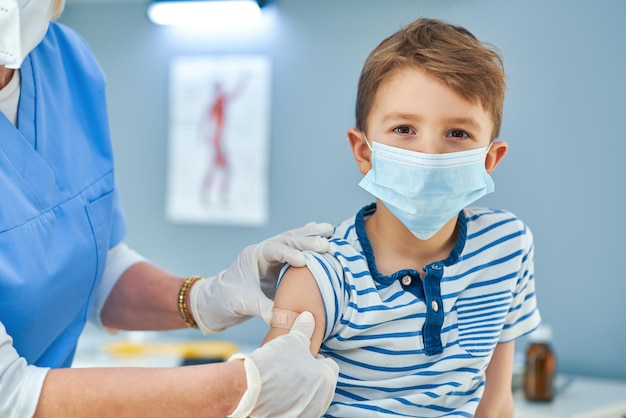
(182, 301)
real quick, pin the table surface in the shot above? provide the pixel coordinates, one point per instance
(577, 397)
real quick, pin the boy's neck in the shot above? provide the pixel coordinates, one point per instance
(396, 248)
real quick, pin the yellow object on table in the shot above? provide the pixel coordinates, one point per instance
(208, 349)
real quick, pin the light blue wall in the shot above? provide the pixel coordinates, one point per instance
(564, 121)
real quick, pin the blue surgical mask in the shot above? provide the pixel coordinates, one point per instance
(425, 191)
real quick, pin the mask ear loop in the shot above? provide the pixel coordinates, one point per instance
(488, 149)
(367, 142)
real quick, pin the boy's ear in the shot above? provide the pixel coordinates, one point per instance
(360, 150)
(494, 156)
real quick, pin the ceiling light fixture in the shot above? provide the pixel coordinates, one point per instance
(204, 12)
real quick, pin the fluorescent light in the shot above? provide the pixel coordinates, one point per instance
(203, 12)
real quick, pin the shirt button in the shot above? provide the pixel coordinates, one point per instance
(434, 305)
(406, 280)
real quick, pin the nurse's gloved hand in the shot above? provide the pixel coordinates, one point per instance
(244, 289)
(285, 380)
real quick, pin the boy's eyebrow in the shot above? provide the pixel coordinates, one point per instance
(471, 122)
(401, 116)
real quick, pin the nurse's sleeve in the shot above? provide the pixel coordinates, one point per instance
(119, 259)
(20, 383)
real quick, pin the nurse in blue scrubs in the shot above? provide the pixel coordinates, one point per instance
(63, 260)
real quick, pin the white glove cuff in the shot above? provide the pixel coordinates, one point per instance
(251, 396)
(194, 306)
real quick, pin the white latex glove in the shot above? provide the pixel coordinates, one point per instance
(285, 380)
(242, 290)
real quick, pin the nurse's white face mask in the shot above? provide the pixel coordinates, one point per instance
(23, 24)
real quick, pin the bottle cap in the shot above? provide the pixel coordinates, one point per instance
(542, 334)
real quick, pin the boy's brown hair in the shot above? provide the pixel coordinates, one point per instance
(451, 54)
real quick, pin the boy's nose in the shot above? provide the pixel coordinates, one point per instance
(428, 144)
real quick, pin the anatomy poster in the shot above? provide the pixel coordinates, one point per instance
(218, 140)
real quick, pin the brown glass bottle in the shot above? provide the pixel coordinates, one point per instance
(540, 366)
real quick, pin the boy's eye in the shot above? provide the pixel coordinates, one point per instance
(405, 130)
(457, 133)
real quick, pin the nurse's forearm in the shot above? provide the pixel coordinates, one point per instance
(212, 390)
(144, 298)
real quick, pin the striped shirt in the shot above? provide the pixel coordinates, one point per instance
(411, 347)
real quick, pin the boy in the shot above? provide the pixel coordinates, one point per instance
(420, 298)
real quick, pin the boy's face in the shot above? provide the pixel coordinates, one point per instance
(417, 112)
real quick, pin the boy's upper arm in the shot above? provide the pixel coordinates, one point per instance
(298, 292)
(497, 397)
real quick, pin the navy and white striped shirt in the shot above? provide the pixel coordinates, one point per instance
(411, 347)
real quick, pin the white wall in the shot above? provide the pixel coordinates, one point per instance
(563, 121)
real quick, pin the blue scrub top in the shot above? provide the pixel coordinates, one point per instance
(60, 212)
